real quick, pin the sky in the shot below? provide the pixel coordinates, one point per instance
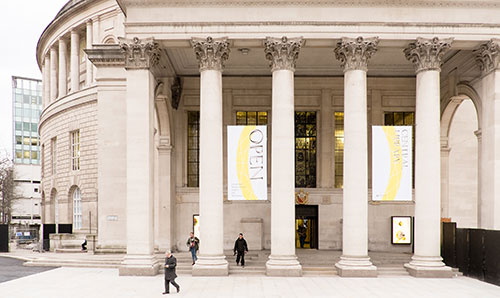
(21, 25)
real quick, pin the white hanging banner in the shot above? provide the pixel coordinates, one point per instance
(392, 163)
(247, 162)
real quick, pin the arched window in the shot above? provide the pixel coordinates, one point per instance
(77, 209)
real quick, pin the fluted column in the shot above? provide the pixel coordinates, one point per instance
(89, 67)
(46, 81)
(75, 61)
(53, 74)
(354, 54)
(211, 55)
(426, 55)
(63, 75)
(282, 54)
(140, 56)
(488, 58)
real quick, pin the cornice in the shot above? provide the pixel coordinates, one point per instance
(342, 3)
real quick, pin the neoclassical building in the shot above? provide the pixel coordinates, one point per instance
(137, 97)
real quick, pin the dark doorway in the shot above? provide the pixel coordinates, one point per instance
(306, 226)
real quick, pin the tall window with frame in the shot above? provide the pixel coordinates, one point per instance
(305, 149)
(406, 119)
(193, 149)
(339, 149)
(77, 209)
(75, 150)
(53, 155)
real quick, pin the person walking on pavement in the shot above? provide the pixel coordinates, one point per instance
(170, 275)
(193, 244)
(240, 248)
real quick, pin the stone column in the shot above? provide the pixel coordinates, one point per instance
(140, 56)
(354, 54)
(46, 81)
(479, 163)
(426, 55)
(63, 75)
(89, 67)
(53, 74)
(445, 177)
(488, 57)
(282, 54)
(167, 197)
(211, 55)
(75, 61)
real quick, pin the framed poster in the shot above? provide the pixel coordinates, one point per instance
(196, 225)
(401, 230)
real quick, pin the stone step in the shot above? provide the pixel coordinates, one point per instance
(392, 271)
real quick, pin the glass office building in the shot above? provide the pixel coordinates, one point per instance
(26, 106)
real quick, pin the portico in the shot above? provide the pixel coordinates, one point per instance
(163, 80)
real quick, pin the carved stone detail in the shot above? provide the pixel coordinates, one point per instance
(211, 53)
(282, 52)
(140, 54)
(488, 55)
(176, 90)
(427, 54)
(354, 53)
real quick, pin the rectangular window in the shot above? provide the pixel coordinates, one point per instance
(53, 155)
(26, 126)
(34, 154)
(404, 119)
(339, 149)
(193, 149)
(19, 154)
(19, 140)
(26, 154)
(26, 140)
(34, 141)
(305, 149)
(251, 118)
(34, 127)
(19, 125)
(75, 150)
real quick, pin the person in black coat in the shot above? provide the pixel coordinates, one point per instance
(240, 248)
(170, 264)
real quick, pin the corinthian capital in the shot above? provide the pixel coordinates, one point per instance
(211, 53)
(427, 54)
(354, 53)
(282, 52)
(140, 53)
(488, 55)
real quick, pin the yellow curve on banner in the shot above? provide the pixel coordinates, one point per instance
(242, 164)
(394, 182)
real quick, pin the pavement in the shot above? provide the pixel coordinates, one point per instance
(89, 281)
(105, 282)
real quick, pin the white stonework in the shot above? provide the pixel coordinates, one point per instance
(133, 120)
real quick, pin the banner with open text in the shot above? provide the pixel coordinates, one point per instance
(247, 162)
(392, 163)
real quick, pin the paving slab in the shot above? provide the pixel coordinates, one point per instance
(103, 282)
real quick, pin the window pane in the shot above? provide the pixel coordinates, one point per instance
(262, 118)
(19, 126)
(26, 126)
(26, 140)
(339, 149)
(251, 118)
(241, 118)
(193, 148)
(305, 149)
(34, 154)
(19, 154)
(26, 154)
(34, 127)
(19, 140)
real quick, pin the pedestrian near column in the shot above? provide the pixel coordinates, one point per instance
(170, 275)
(193, 244)
(240, 248)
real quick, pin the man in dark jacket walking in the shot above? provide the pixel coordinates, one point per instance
(240, 248)
(170, 264)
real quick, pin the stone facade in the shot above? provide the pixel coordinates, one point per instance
(137, 86)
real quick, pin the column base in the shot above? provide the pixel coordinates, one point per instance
(211, 266)
(139, 265)
(354, 266)
(432, 267)
(283, 266)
